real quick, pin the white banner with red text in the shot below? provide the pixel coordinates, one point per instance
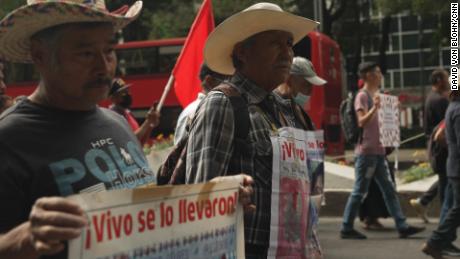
(186, 221)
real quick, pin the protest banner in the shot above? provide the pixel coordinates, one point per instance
(188, 221)
(389, 121)
(298, 172)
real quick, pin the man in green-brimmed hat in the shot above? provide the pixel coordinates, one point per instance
(58, 142)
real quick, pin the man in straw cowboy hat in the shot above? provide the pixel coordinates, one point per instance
(58, 141)
(255, 46)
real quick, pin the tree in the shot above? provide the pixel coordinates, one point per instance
(423, 9)
(356, 8)
(225, 8)
(388, 8)
(332, 13)
(8, 5)
(173, 18)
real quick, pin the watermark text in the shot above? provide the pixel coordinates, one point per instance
(454, 46)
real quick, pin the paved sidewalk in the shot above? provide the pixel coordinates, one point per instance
(339, 180)
(414, 155)
(379, 245)
(344, 176)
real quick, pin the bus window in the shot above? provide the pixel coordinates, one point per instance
(140, 61)
(167, 58)
(20, 73)
(147, 61)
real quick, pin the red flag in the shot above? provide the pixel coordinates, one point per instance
(187, 85)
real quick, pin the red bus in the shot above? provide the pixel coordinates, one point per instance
(325, 100)
(147, 66)
(144, 64)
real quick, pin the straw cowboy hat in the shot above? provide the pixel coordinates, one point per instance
(17, 27)
(240, 26)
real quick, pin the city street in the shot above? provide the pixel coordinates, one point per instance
(383, 244)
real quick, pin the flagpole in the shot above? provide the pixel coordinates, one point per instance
(165, 93)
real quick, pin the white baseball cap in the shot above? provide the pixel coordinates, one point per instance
(303, 67)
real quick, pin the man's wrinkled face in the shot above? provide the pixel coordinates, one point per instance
(83, 66)
(299, 84)
(267, 58)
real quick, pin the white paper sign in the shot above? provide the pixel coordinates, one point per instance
(389, 121)
(298, 170)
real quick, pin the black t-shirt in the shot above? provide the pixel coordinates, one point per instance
(50, 152)
(452, 138)
(435, 110)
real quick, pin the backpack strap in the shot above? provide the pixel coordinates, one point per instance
(303, 117)
(370, 103)
(173, 171)
(240, 114)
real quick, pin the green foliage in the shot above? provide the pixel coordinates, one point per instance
(417, 172)
(391, 7)
(225, 8)
(159, 143)
(173, 20)
(8, 5)
(427, 7)
(420, 7)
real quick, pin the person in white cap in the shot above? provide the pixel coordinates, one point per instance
(255, 46)
(293, 95)
(296, 91)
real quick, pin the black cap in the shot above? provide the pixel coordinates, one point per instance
(205, 70)
(366, 66)
(118, 85)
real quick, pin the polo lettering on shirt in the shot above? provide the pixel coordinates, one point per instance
(117, 167)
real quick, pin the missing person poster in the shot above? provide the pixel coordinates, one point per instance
(389, 120)
(187, 221)
(298, 175)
